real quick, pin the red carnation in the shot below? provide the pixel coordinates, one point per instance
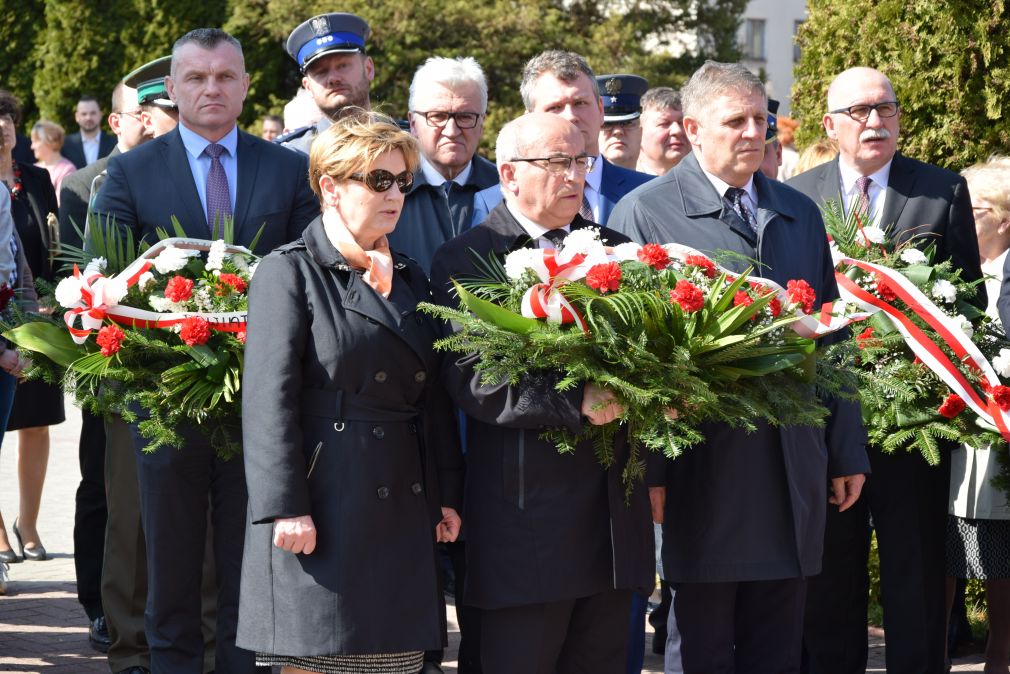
(604, 277)
(800, 292)
(179, 289)
(688, 296)
(742, 297)
(864, 337)
(702, 263)
(195, 331)
(952, 406)
(1001, 394)
(240, 335)
(775, 306)
(654, 255)
(6, 295)
(234, 282)
(883, 289)
(110, 338)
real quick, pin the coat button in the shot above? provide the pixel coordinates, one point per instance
(416, 488)
(378, 432)
(420, 376)
(382, 492)
(380, 376)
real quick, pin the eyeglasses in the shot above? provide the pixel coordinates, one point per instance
(561, 164)
(861, 113)
(135, 114)
(439, 118)
(380, 180)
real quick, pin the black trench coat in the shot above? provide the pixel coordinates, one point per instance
(343, 419)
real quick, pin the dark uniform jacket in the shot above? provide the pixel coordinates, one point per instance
(541, 526)
(344, 419)
(430, 217)
(301, 138)
(741, 506)
(75, 199)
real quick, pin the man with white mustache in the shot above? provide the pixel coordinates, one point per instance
(906, 497)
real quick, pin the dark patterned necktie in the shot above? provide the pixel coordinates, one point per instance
(555, 236)
(218, 196)
(735, 196)
(863, 197)
(585, 210)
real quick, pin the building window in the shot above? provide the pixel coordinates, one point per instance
(796, 44)
(753, 46)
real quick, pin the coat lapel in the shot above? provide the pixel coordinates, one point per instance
(899, 186)
(610, 183)
(701, 200)
(187, 208)
(247, 158)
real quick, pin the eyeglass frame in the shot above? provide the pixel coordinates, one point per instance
(134, 114)
(871, 107)
(454, 116)
(572, 161)
(399, 179)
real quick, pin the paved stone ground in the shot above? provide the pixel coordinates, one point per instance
(44, 629)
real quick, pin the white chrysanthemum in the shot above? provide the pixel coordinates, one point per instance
(162, 304)
(203, 300)
(914, 256)
(518, 261)
(1002, 363)
(173, 259)
(240, 262)
(216, 255)
(945, 291)
(627, 251)
(871, 234)
(95, 266)
(966, 327)
(582, 241)
(145, 280)
(68, 292)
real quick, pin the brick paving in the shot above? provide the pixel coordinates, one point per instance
(44, 629)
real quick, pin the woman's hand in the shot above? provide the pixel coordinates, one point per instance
(600, 405)
(447, 530)
(295, 534)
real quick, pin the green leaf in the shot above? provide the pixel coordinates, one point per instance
(49, 339)
(496, 315)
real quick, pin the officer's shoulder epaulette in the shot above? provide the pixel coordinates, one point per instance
(293, 135)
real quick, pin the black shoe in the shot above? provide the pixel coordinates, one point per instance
(36, 554)
(98, 635)
(9, 557)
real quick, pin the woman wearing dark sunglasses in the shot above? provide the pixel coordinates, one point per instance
(351, 451)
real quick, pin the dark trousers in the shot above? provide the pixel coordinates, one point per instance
(90, 515)
(577, 636)
(174, 489)
(751, 627)
(907, 501)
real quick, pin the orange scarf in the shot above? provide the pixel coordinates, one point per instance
(377, 263)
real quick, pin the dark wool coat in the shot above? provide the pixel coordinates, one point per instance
(343, 420)
(741, 506)
(541, 526)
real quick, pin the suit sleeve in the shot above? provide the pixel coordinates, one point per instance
(627, 219)
(115, 200)
(271, 392)
(962, 242)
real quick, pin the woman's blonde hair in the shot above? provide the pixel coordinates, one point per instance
(354, 142)
(819, 153)
(50, 133)
(990, 180)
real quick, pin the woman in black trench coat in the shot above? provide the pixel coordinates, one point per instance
(351, 450)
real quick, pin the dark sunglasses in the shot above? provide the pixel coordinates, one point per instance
(380, 180)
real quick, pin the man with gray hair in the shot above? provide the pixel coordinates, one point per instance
(448, 101)
(743, 513)
(562, 83)
(664, 142)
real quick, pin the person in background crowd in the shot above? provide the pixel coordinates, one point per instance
(787, 138)
(271, 126)
(621, 133)
(159, 113)
(330, 52)
(90, 144)
(773, 148)
(821, 152)
(47, 139)
(664, 142)
(978, 520)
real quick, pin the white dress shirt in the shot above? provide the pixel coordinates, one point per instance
(90, 148)
(535, 231)
(750, 198)
(877, 189)
(199, 163)
(594, 179)
(433, 177)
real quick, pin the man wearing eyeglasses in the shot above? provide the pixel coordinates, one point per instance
(553, 550)
(906, 498)
(448, 100)
(562, 83)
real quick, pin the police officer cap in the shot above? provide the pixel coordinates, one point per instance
(337, 32)
(622, 96)
(773, 125)
(149, 81)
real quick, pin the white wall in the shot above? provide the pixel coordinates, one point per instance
(780, 17)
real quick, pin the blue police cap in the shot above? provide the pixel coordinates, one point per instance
(773, 124)
(622, 96)
(337, 32)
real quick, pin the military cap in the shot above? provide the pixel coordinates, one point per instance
(337, 32)
(772, 132)
(149, 81)
(622, 96)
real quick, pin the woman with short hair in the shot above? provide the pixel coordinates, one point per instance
(47, 141)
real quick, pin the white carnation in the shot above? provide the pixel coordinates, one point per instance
(1002, 363)
(581, 241)
(216, 256)
(68, 292)
(871, 234)
(945, 291)
(146, 279)
(966, 327)
(95, 266)
(162, 304)
(111, 290)
(240, 262)
(914, 256)
(173, 259)
(627, 251)
(518, 261)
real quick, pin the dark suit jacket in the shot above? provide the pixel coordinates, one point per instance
(741, 506)
(541, 526)
(73, 148)
(922, 200)
(75, 198)
(151, 183)
(615, 183)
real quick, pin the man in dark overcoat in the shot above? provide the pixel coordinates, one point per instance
(743, 521)
(553, 549)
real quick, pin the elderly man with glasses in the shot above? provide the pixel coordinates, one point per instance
(906, 498)
(553, 549)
